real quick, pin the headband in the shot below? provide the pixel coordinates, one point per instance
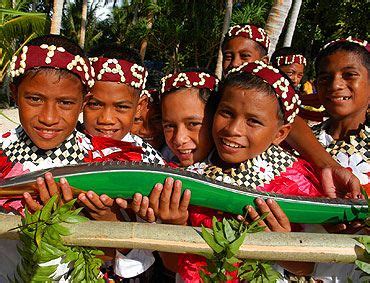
(254, 33)
(51, 56)
(290, 59)
(199, 80)
(282, 87)
(351, 39)
(152, 94)
(118, 70)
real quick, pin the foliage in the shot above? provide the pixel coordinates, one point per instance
(42, 247)
(255, 11)
(225, 240)
(364, 264)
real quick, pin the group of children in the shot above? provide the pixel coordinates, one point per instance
(243, 130)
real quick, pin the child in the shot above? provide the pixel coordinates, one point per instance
(187, 115)
(241, 37)
(51, 78)
(343, 84)
(148, 120)
(291, 63)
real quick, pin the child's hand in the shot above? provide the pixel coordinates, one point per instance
(166, 202)
(47, 187)
(275, 221)
(140, 205)
(340, 182)
(101, 208)
(345, 228)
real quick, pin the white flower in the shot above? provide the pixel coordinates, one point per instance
(357, 164)
(262, 168)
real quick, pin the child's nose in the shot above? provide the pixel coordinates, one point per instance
(336, 82)
(235, 127)
(49, 115)
(106, 117)
(181, 136)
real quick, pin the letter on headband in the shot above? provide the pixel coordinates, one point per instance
(254, 33)
(283, 89)
(188, 79)
(117, 70)
(290, 59)
(360, 42)
(51, 56)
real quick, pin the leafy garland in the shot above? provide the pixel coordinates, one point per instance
(225, 240)
(364, 264)
(42, 249)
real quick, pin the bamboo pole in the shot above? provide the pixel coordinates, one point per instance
(309, 247)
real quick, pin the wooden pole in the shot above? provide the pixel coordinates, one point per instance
(309, 247)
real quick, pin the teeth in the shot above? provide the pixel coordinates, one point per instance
(185, 151)
(148, 139)
(47, 131)
(231, 144)
(340, 98)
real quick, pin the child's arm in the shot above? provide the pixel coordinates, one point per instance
(47, 187)
(277, 221)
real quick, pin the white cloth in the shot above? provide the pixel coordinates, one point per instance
(134, 263)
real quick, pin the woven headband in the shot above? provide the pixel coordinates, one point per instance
(117, 70)
(351, 39)
(283, 89)
(51, 56)
(254, 33)
(199, 80)
(290, 59)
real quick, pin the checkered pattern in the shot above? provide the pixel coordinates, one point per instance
(356, 143)
(150, 155)
(245, 175)
(23, 149)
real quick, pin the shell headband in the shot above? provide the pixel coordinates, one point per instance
(283, 89)
(51, 56)
(290, 59)
(360, 42)
(188, 79)
(254, 33)
(117, 70)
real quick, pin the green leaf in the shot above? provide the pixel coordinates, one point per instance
(229, 232)
(47, 209)
(234, 247)
(208, 237)
(364, 266)
(64, 231)
(76, 219)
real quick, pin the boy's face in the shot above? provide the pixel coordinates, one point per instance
(343, 85)
(148, 124)
(49, 105)
(246, 124)
(187, 126)
(239, 50)
(111, 110)
(294, 71)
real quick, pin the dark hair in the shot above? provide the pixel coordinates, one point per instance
(118, 52)
(57, 40)
(249, 81)
(285, 51)
(347, 46)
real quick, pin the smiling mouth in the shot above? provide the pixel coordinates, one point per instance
(231, 144)
(107, 132)
(47, 133)
(344, 98)
(185, 151)
(148, 139)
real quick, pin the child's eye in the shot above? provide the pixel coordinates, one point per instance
(66, 102)
(245, 56)
(93, 105)
(194, 124)
(34, 99)
(253, 121)
(349, 75)
(138, 120)
(225, 113)
(123, 107)
(168, 127)
(227, 56)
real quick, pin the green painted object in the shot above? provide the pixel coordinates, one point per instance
(123, 179)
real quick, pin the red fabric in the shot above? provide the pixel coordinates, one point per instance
(5, 165)
(127, 151)
(290, 59)
(252, 32)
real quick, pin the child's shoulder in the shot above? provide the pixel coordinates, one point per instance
(150, 155)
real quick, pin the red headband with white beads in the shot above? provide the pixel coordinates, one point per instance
(283, 89)
(117, 70)
(51, 56)
(188, 79)
(252, 32)
(360, 42)
(290, 59)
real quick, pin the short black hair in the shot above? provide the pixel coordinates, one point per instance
(57, 40)
(116, 51)
(249, 81)
(284, 51)
(347, 46)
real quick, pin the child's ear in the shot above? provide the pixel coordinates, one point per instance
(282, 133)
(14, 91)
(265, 59)
(141, 103)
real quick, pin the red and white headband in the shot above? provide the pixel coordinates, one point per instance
(51, 56)
(117, 70)
(283, 89)
(188, 79)
(360, 42)
(252, 32)
(290, 59)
